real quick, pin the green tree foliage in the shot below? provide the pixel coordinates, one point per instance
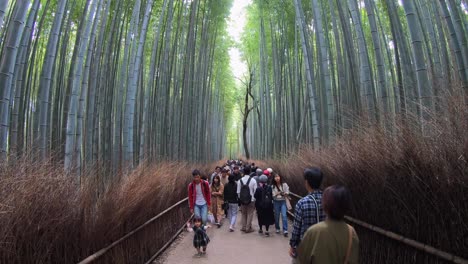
(326, 65)
(116, 82)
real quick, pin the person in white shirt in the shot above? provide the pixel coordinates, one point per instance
(247, 201)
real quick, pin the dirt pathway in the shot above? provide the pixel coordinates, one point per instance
(231, 248)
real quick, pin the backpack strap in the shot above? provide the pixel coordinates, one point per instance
(316, 208)
(248, 181)
(350, 242)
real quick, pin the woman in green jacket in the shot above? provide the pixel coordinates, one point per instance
(331, 241)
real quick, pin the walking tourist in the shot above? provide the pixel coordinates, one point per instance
(216, 172)
(332, 241)
(224, 176)
(200, 238)
(246, 189)
(230, 196)
(308, 210)
(217, 200)
(199, 196)
(280, 191)
(258, 173)
(264, 205)
(236, 172)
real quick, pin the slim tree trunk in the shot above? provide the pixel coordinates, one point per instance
(46, 78)
(424, 86)
(309, 71)
(7, 66)
(71, 157)
(366, 79)
(3, 6)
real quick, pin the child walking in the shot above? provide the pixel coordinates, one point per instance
(200, 238)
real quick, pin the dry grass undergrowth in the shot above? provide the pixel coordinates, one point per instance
(46, 218)
(410, 184)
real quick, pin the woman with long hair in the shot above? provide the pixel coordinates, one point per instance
(280, 194)
(217, 199)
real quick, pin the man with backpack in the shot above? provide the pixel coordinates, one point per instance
(246, 190)
(199, 196)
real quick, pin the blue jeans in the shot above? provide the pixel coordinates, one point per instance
(232, 213)
(280, 207)
(201, 211)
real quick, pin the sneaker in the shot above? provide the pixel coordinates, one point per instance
(277, 231)
(231, 229)
(249, 231)
(242, 229)
(267, 234)
(285, 234)
(260, 231)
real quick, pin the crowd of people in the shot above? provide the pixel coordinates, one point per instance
(319, 233)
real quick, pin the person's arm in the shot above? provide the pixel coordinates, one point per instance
(286, 188)
(208, 200)
(221, 190)
(190, 198)
(238, 188)
(253, 187)
(296, 233)
(275, 192)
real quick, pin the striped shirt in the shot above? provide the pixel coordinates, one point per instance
(305, 216)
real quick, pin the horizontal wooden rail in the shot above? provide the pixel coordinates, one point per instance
(407, 241)
(101, 252)
(168, 242)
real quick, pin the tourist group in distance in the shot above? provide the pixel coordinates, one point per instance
(319, 232)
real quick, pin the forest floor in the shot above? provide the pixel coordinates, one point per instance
(230, 247)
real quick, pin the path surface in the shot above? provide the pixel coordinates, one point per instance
(231, 247)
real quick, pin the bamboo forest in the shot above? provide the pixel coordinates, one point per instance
(107, 106)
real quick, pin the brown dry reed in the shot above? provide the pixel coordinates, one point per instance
(405, 182)
(45, 217)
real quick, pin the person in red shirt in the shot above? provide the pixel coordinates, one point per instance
(199, 196)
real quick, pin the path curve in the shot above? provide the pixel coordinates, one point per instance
(231, 247)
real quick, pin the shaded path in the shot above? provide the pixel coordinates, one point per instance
(231, 248)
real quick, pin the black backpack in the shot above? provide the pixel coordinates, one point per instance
(245, 196)
(266, 198)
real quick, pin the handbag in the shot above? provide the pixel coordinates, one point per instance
(225, 206)
(211, 218)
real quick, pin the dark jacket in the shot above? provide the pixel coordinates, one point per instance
(265, 215)
(230, 192)
(237, 176)
(259, 198)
